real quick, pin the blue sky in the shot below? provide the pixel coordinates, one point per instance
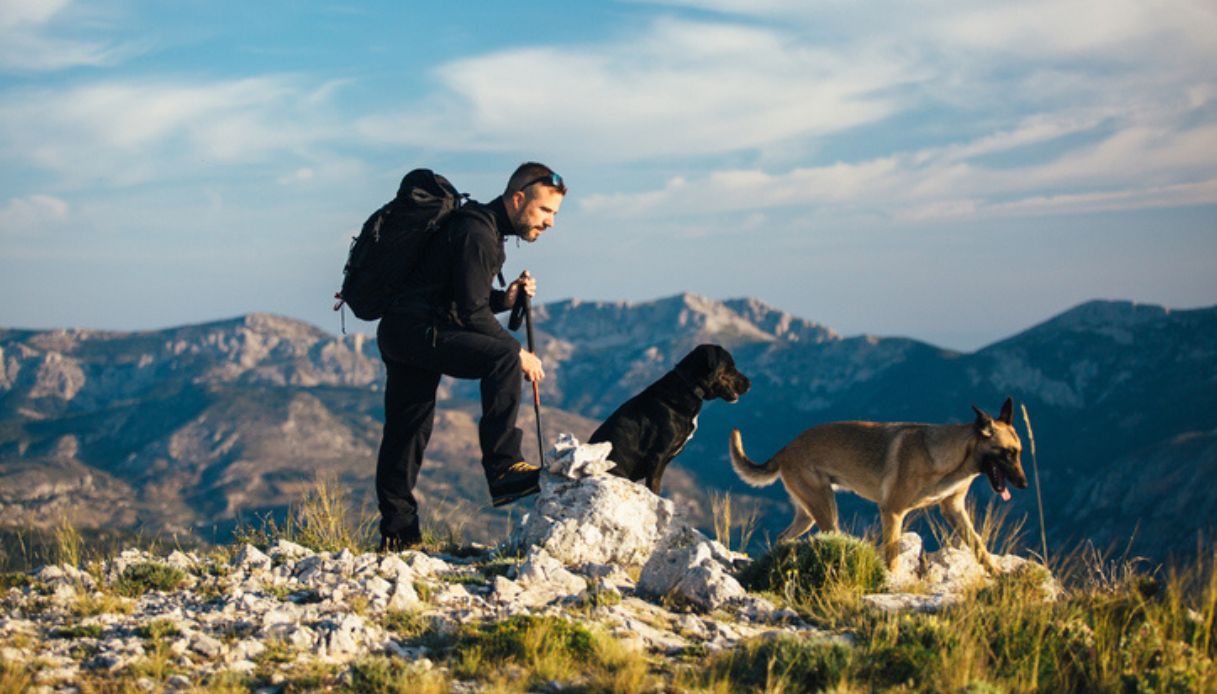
(951, 171)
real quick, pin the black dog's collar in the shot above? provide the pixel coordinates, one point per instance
(697, 390)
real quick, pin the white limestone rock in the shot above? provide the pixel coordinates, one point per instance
(251, 559)
(568, 458)
(423, 564)
(285, 550)
(600, 519)
(930, 582)
(542, 580)
(693, 570)
(403, 596)
(907, 571)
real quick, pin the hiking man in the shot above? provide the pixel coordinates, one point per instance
(444, 324)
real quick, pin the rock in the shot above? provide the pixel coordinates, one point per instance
(246, 650)
(377, 588)
(952, 570)
(692, 570)
(61, 575)
(908, 563)
(597, 520)
(309, 568)
(300, 637)
(453, 595)
(250, 558)
(345, 638)
(393, 568)
(343, 563)
(608, 574)
(289, 551)
(206, 646)
(423, 564)
(542, 580)
(941, 578)
(403, 596)
(505, 589)
(909, 602)
(180, 560)
(570, 459)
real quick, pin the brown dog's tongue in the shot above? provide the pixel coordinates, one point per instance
(1005, 495)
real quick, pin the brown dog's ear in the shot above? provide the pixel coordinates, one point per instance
(984, 423)
(1007, 411)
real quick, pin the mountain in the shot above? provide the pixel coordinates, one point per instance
(193, 428)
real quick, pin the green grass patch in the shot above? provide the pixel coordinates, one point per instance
(812, 574)
(384, 675)
(786, 663)
(157, 630)
(140, 578)
(14, 579)
(406, 624)
(536, 651)
(79, 631)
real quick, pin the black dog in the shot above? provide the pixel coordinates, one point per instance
(652, 428)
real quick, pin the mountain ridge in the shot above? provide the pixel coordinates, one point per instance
(198, 424)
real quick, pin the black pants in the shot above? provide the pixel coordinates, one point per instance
(415, 357)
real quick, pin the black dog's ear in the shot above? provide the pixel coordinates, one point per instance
(723, 356)
(1007, 411)
(713, 355)
(701, 361)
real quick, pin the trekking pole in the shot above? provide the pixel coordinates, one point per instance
(536, 390)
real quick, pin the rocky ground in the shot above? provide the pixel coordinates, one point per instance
(596, 549)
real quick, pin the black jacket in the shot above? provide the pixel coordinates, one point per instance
(453, 285)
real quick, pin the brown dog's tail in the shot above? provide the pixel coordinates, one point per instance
(750, 472)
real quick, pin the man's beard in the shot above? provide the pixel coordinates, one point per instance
(524, 230)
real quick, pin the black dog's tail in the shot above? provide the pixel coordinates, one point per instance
(750, 472)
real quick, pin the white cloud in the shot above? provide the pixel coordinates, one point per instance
(29, 40)
(680, 88)
(123, 132)
(1140, 165)
(32, 214)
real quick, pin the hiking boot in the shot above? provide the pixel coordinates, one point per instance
(395, 543)
(516, 482)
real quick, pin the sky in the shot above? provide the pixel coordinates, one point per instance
(953, 171)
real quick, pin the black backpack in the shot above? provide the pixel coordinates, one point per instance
(392, 241)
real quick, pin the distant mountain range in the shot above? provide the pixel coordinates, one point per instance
(190, 429)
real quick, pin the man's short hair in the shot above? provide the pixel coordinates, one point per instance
(533, 173)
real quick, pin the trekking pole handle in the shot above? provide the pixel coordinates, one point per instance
(527, 302)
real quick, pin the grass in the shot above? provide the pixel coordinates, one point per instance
(723, 521)
(144, 576)
(1002, 638)
(384, 675)
(527, 652)
(322, 521)
(818, 576)
(405, 624)
(68, 543)
(78, 631)
(1118, 627)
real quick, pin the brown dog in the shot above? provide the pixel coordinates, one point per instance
(899, 466)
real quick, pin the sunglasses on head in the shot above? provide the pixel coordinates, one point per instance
(550, 179)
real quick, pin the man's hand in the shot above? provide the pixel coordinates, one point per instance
(531, 365)
(513, 290)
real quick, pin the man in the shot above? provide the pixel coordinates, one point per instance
(444, 324)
